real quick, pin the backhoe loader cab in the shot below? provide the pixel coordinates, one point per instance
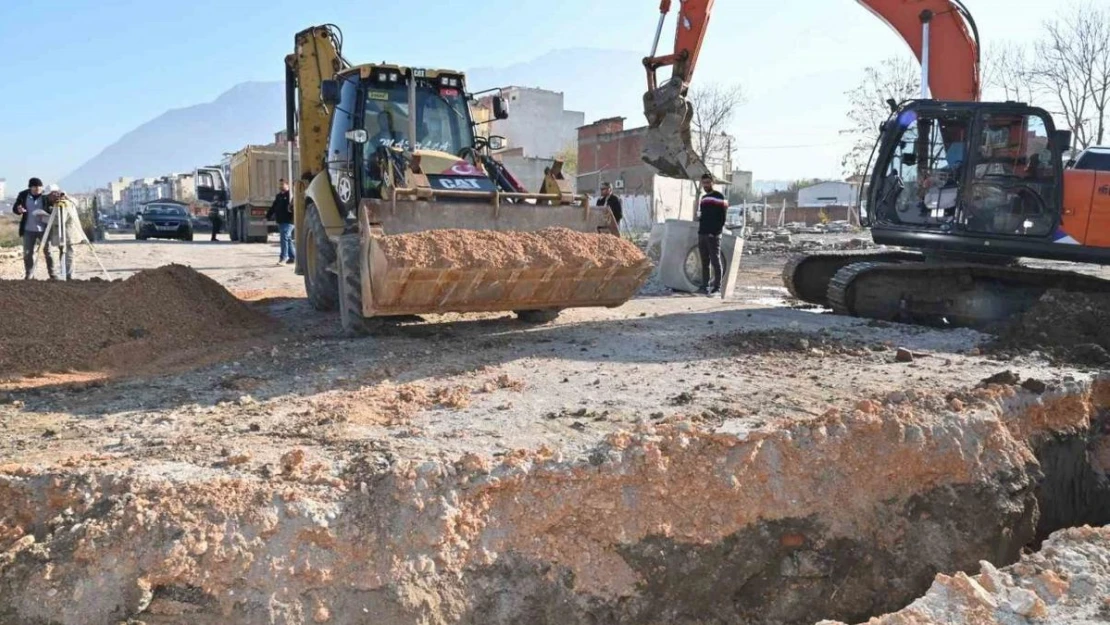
(981, 178)
(388, 150)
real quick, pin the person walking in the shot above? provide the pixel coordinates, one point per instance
(613, 202)
(32, 207)
(711, 223)
(281, 211)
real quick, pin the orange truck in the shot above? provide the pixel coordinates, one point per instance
(245, 185)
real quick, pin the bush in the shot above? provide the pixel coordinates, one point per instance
(9, 233)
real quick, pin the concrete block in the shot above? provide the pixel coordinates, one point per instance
(680, 265)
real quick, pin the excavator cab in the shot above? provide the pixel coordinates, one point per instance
(967, 176)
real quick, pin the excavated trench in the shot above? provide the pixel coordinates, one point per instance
(844, 517)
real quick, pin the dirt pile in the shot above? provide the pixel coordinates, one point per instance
(99, 325)
(1069, 327)
(782, 342)
(442, 249)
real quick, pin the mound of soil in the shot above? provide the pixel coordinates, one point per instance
(1068, 327)
(780, 342)
(460, 249)
(97, 325)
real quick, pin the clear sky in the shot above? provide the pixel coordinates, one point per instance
(77, 74)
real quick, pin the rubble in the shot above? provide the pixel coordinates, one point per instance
(1072, 328)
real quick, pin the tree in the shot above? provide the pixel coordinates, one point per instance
(1006, 68)
(894, 78)
(1072, 66)
(569, 156)
(715, 109)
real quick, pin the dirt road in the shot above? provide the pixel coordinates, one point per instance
(412, 417)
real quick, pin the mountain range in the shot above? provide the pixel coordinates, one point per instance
(601, 83)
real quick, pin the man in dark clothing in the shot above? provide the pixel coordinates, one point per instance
(33, 208)
(217, 220)
(613, 202)
(711, 222)
(281, 211)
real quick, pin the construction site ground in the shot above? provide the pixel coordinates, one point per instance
(299, 408)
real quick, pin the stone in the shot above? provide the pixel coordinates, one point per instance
(903, 355)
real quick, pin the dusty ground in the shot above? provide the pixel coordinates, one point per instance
(454, 387)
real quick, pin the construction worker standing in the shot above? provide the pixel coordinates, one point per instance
(711, 223)
(613, 202)
(281, 211)
(32, 205)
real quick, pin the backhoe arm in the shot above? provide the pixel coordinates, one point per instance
(941, 33)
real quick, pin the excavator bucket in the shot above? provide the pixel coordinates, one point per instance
(668, 145)
(423, 257)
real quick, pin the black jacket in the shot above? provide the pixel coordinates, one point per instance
(281, 210)
(714, 210)
(614, 204)
(21, 202)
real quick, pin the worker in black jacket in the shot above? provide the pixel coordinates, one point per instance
(34, 207)
(711, 223)
(613, 202)
(281, 211)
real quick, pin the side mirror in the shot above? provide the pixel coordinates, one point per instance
(329, 92)
(357, 136)
(496, 143)
(1061, 140)
(500, 111)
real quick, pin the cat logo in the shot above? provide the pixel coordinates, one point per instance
(460, 184)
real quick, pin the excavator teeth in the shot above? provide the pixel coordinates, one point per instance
(668, 146)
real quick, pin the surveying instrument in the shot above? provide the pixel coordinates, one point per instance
(64, 229)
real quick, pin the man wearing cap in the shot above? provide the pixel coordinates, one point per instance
(613, 202)
(32, 205)
(712, 211)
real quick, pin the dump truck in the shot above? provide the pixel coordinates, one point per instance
(254, 173)
(401, 210)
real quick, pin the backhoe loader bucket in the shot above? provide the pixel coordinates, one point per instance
(481, 256)
(668, 145)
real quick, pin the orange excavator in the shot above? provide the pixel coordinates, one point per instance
(962, 188)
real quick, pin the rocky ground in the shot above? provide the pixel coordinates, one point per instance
(680, 459)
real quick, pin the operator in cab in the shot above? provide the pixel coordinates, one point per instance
(712, 212)
(613, 202)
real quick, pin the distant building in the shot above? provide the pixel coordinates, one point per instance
(528, 170)
(740, 187)
(831, 193)
(538, 123)
(609, 153)
(3, 188)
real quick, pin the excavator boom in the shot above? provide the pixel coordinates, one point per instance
(941, 34)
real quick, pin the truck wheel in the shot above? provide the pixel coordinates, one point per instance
(232, 225)
(538, 316)
(350, 287)
(321, 285)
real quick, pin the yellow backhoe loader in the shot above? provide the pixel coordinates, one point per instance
(387, 152)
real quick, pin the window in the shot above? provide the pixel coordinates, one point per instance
(1014, 183)
(1099, 161)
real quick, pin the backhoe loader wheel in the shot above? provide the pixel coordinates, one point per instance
(538, 316)
(321, 285)
(350, 287)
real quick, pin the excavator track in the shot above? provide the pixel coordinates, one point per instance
(948, 294)
(807, 276)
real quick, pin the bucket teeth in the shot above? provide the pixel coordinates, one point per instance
(668, 144)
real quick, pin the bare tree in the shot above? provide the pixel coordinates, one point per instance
(1006, 68)
(715, 109)
(895, 78)
(1072, 66)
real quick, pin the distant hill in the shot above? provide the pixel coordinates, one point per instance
(602, 83)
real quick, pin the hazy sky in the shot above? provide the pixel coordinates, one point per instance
(77, 74)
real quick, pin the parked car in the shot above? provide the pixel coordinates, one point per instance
(163, 222)
(1095, 157)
